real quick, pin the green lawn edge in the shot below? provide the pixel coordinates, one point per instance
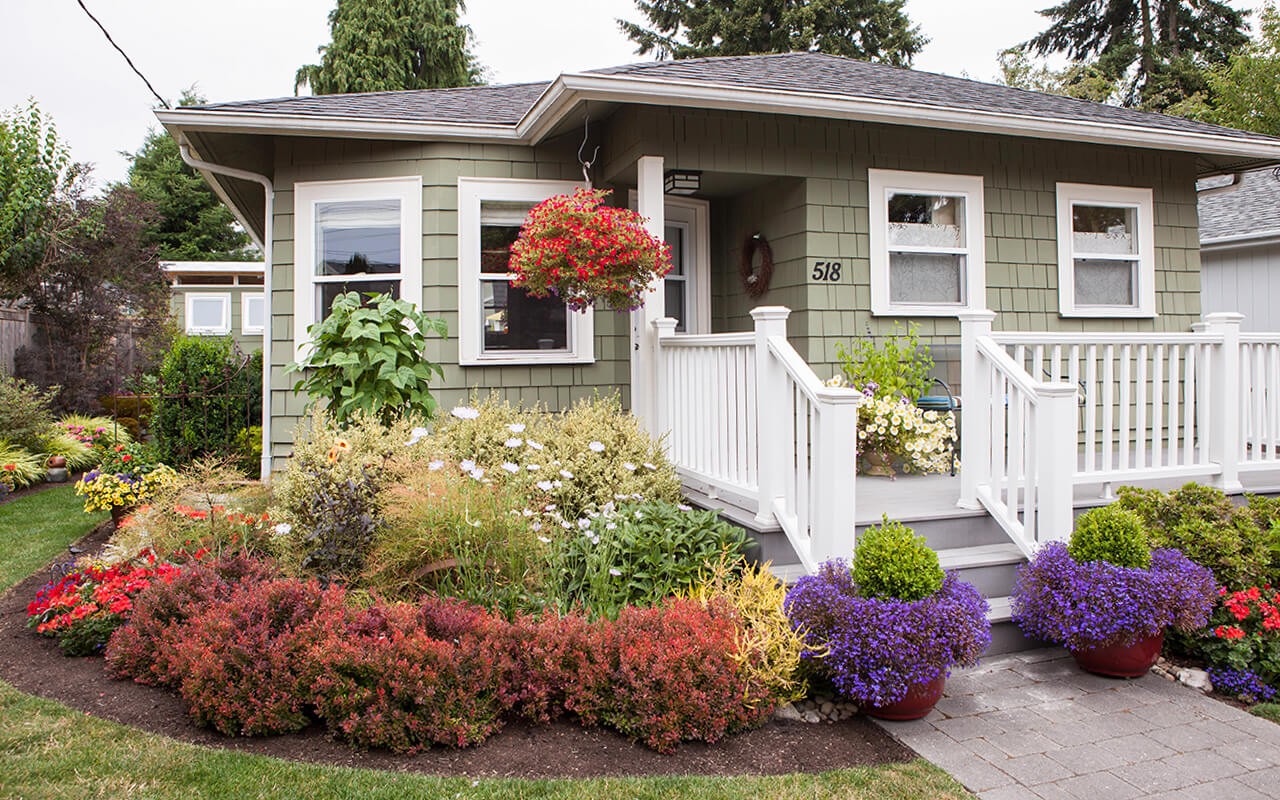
(48, 750)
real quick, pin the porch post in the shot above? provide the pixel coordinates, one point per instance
(663, 328)
(1223, 430)
(835, 517)
(649, 202)
(771, 395)
(1057, 446)
(975, 411)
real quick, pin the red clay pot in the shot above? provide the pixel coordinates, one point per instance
(1119, 661)
(919, 701)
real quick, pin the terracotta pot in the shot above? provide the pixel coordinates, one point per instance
(1120, 661)
(879, 463)
(919, 701)
(57, 462)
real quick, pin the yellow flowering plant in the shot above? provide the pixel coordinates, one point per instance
(127, 478)
(894, 427)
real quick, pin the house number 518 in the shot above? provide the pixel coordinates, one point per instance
(826, 271)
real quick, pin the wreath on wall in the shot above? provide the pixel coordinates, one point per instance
(755, 279)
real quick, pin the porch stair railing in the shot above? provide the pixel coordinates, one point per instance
(749, 422)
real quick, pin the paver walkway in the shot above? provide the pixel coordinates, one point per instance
(1032, 725)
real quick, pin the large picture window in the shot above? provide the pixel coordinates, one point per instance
(1106, 251)
(500, 323)
(927, 254)
(363, 236)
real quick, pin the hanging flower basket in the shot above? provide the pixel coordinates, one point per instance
(575, 248)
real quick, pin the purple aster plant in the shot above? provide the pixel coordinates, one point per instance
(874, 650)
(1242, 685)
(1083, 606)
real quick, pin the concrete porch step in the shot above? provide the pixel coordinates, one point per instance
(986, 555)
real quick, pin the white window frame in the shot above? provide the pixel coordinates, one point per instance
(245, 299)
(694, 215)
(306, 195)
(472, 194)
(1138, 198)
(220, 330)
(881, 184)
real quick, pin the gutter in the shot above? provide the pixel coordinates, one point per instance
(1240, 240)
(184, 149)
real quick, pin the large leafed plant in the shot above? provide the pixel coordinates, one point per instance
(368, 356)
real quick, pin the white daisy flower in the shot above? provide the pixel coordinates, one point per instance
(544, 539)
(527, 513)
(595, 540)
(565, 524)
(544, 485)
(684, 507)
(415, 436)
(516, 427)
(533, 467)
(566, 474)
(477, 473)
(596, 447)
(283, 528)
(509, 467)
(650, 467)
(537, 526)
(583, 524)
(615, 572)
(628, 466)
(514, 441)
(467, 465)
(533, 444)
(465, 412)
(435, 465)
(612, 526)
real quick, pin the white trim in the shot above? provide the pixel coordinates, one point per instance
(881, 183)
(569, 89)
(1241, 240)
(245, 299)
(695, 214)
(472, 193)
(220, 330)
(212, 267)
(1140, 199)
(408, 190)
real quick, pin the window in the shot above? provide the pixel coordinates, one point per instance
(1106, 251)
(253, 312)
(499, 323)
(687, 287)
(927, 243)
(354, 236)
(208, 313)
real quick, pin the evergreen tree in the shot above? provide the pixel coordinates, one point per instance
(190, 223)
(1160, 49)
(385, 45)
(871, 30)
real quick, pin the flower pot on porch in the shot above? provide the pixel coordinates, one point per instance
(1121, 661)
(879, 463)
(919, 701)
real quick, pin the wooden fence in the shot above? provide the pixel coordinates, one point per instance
(15, 333)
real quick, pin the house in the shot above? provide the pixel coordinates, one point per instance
(219, 298)
(1048, 245)
(1240, 247)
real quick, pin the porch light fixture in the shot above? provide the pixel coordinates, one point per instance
(682, 181)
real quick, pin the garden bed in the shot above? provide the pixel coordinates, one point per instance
(35, 665)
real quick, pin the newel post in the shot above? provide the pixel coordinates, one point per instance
(664, 329)
(1057, 456)
(975, 407)
(771, 395)
(836, 475)
(1224, 399)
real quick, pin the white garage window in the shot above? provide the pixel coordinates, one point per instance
(1106, 251)
(500, 323)
(208, 313)
(253, 314)
(927, 243)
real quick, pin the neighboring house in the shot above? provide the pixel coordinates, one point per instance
(219, 298)
(888, 197)
(1240, 248)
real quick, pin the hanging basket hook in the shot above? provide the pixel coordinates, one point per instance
(586, 135)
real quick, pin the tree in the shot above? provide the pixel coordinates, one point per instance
(101, 305)
(34, 167)
(1160, 49)
(871, 30)
(1084, 81)
(190, 223)
(385, 45)
(1245, 92)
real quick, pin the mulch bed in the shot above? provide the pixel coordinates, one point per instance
(34, 665)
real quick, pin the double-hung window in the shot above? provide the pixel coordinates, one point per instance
(1106, 251)
(500, 323)
(927, 243)
(355, 236)
(208, 313)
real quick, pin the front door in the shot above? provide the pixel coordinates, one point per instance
(687, 288)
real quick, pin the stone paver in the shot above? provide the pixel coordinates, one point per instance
(1032, 725)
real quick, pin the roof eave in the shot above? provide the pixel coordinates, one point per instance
(215, 121)
(1240, 240)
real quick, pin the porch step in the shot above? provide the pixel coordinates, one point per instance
(999, 609)
(987, 555)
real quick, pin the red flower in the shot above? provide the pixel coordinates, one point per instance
(1228, 632)
(10, 467)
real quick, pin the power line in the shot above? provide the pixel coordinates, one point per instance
(125, 55)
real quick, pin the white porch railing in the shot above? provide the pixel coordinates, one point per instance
(749, 421)
(1259, 396)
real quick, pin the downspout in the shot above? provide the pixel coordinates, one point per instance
(267, 237)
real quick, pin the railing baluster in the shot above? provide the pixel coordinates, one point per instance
(1157, 406)
(1175, 356)
(1091, 397)
(1140, 431)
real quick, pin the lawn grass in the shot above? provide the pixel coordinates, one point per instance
(36, 528)
(50, 751)
(1269, 711)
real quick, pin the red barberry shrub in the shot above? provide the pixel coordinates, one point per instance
(551, 665)
(144, 648)
(384, 681)
(675, 675)
(243, 659)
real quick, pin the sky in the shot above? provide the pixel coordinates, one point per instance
(243, 49)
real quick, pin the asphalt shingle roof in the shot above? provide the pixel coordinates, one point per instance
(1251, 208)
(801, 72)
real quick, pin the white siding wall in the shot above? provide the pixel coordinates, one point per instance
(1244, 279)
